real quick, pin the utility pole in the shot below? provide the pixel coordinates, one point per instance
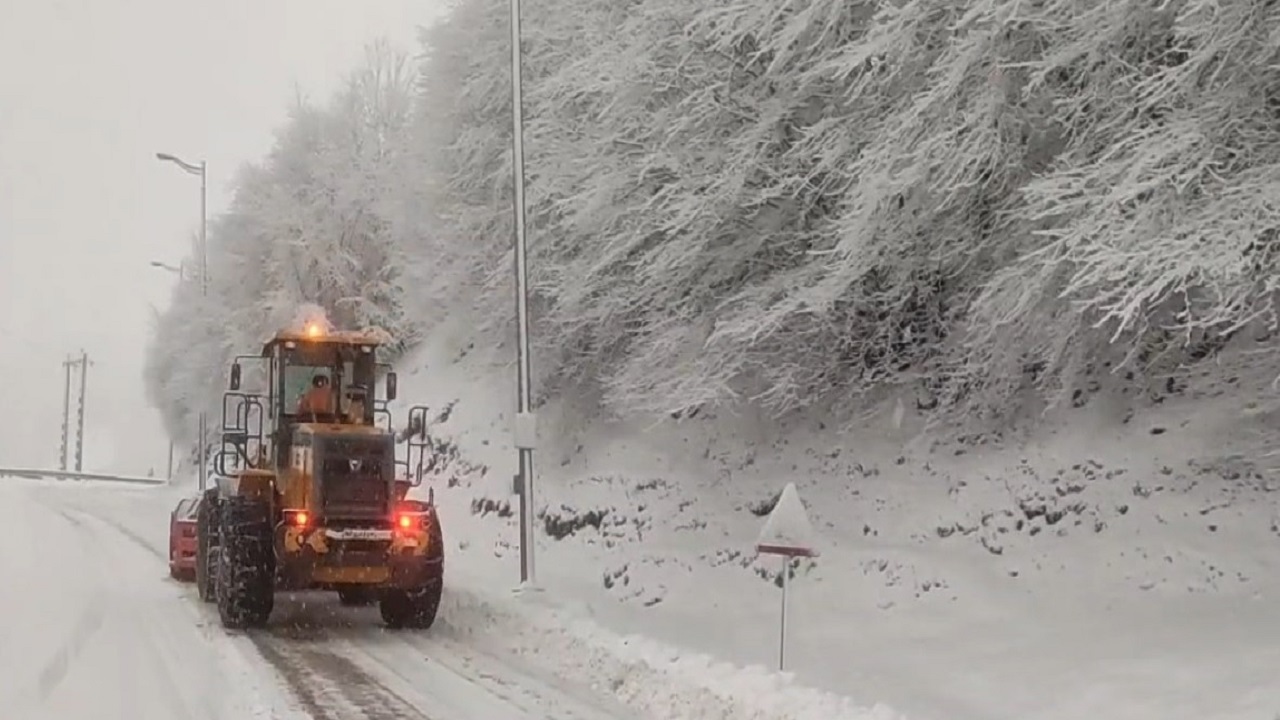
(84, 372)
(66, 416)
(82, 363)
(200, 169)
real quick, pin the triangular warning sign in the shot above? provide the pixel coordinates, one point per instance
(788, 530)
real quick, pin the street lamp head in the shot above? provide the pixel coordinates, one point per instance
(187, 167)
(166, 266)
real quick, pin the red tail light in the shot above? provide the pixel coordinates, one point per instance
(297, 518)
(410, 520)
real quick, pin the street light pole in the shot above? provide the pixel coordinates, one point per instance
(204, 227)
(181, 271)
(204, 293)
(525, 422)
(201, 170)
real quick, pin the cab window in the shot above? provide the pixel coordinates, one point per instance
(297, 381)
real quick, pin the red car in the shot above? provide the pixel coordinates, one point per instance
(182, 539)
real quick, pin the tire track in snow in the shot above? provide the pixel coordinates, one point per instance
(141, 633)
(452, 680)
(399, 656)
(56, 668)
(130, 535)
(328, 686)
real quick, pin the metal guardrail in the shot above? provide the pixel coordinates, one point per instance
(32, 474)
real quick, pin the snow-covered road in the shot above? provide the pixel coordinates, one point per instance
(95, 628)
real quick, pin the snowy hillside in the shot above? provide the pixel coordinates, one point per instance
(1104, 568)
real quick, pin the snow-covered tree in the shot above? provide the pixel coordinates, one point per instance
(793, 203)
(785, 203)
(313, 223)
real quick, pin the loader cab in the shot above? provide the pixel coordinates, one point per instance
(339, 371)
(288, 367)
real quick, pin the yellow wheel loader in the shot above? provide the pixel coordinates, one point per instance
(306, 493)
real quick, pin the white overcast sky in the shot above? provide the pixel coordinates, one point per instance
(90, 90)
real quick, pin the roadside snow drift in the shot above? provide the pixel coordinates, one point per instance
(1114, 565)
(657, 679)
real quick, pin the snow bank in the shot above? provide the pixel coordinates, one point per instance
(656, 679)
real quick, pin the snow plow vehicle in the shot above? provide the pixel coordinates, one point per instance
(307, 493)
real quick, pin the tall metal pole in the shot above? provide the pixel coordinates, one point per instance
(202, 170)
(525, 430)
(204, 294)
(204, 225)
(181, 271)
(66, 416)
(782, 627)
(84, 373)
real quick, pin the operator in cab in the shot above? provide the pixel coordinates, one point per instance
(318, 400)
(354, 414)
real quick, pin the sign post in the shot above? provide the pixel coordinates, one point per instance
(788, 534)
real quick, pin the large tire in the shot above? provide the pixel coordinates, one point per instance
(357, 595)
(206, 534)
(417, 608)
(414, 609)
(246, 564)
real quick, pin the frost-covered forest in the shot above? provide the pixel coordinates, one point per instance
(779, 202)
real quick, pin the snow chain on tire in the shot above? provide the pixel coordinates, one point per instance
(246, 564)
(412, 608)
(417, 608)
